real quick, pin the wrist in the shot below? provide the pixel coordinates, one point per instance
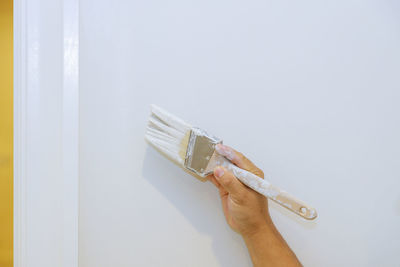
(266, 227)
(267, 247)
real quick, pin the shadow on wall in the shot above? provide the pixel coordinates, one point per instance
(199, 202)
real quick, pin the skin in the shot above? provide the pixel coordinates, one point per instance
(246, 212)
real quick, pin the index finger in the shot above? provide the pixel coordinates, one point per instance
(238, 159)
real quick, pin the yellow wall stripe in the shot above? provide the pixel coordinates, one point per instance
(6, 133)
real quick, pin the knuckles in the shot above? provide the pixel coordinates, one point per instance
(241, 157)
(259, 173)
(252, 168)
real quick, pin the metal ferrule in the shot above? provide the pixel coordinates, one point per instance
(200, 149)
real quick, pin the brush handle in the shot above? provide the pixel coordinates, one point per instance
(265, 188)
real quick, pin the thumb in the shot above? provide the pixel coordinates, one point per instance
(229, 182)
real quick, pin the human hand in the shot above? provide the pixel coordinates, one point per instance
(245, 210)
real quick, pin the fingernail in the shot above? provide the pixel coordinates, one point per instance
(225, 151)
(219, 172)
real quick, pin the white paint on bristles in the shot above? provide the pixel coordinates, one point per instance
(167, 133)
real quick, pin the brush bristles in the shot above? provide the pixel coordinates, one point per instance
(168, 133)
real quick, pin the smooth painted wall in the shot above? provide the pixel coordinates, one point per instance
(6, 133)
(308, 90)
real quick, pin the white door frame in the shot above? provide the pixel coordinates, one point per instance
(46, 132)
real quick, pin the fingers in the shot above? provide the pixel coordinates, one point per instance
(238, 159)
(212, 179)
(230, 183)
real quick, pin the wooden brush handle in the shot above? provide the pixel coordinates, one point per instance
(265, 188)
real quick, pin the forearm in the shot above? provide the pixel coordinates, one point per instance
(246, 211)
(268, 248)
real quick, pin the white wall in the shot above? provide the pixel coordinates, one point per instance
(309, 90)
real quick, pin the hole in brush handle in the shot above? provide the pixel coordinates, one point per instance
(295, 205)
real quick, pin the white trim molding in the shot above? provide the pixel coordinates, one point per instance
(46, 133)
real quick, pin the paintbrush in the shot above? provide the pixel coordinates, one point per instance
(194, 150)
